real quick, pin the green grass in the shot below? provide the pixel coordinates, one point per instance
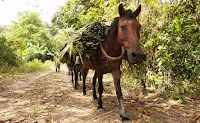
(35, 65)
(25, 67)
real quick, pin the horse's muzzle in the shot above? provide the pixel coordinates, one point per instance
(136, 58)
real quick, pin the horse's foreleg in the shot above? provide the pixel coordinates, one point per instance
(72, 77)
(116, 78)
(76, 79)
(94, 86)
(84, 73)
(100, 90)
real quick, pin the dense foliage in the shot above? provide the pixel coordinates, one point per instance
(26, 39)
(7, 55)
(29, 37)
(172, 43)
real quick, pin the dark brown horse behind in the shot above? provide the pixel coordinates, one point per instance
(123, 33)
(74, 65)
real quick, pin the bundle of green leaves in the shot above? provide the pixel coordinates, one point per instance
(86, 40)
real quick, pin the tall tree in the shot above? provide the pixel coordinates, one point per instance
(29, 36)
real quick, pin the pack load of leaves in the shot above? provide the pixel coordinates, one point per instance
(86, 40)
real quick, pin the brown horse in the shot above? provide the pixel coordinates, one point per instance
(123, 33)
(74, 65)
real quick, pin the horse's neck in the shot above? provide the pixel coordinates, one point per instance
(112, 47)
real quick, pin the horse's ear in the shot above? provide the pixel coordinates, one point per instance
(137, 11)
(121, 10)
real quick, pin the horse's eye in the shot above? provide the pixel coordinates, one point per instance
(123, 27)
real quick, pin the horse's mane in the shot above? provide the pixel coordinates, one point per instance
(113, 29)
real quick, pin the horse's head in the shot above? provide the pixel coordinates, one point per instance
(128, 34)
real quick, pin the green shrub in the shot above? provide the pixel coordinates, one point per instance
(180, 98)
(171, 41)
(8, 58)
(31, 66)
(35, 65)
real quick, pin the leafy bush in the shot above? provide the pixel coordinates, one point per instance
(173, 48)
(29, 36)
(35, 65)
(7, 56)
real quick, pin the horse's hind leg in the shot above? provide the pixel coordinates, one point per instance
(84, 73)
(94, 86)
(100, 89)
(77, 78)
(59, 69)
(80, 76)
(116, 78)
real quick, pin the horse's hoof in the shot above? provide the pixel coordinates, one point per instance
(75, 88)
(84, 93)
(126, 120)
(100, 110)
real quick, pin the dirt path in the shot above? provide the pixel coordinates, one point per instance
(50, 97)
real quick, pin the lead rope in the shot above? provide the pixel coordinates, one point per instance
(109, 57)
